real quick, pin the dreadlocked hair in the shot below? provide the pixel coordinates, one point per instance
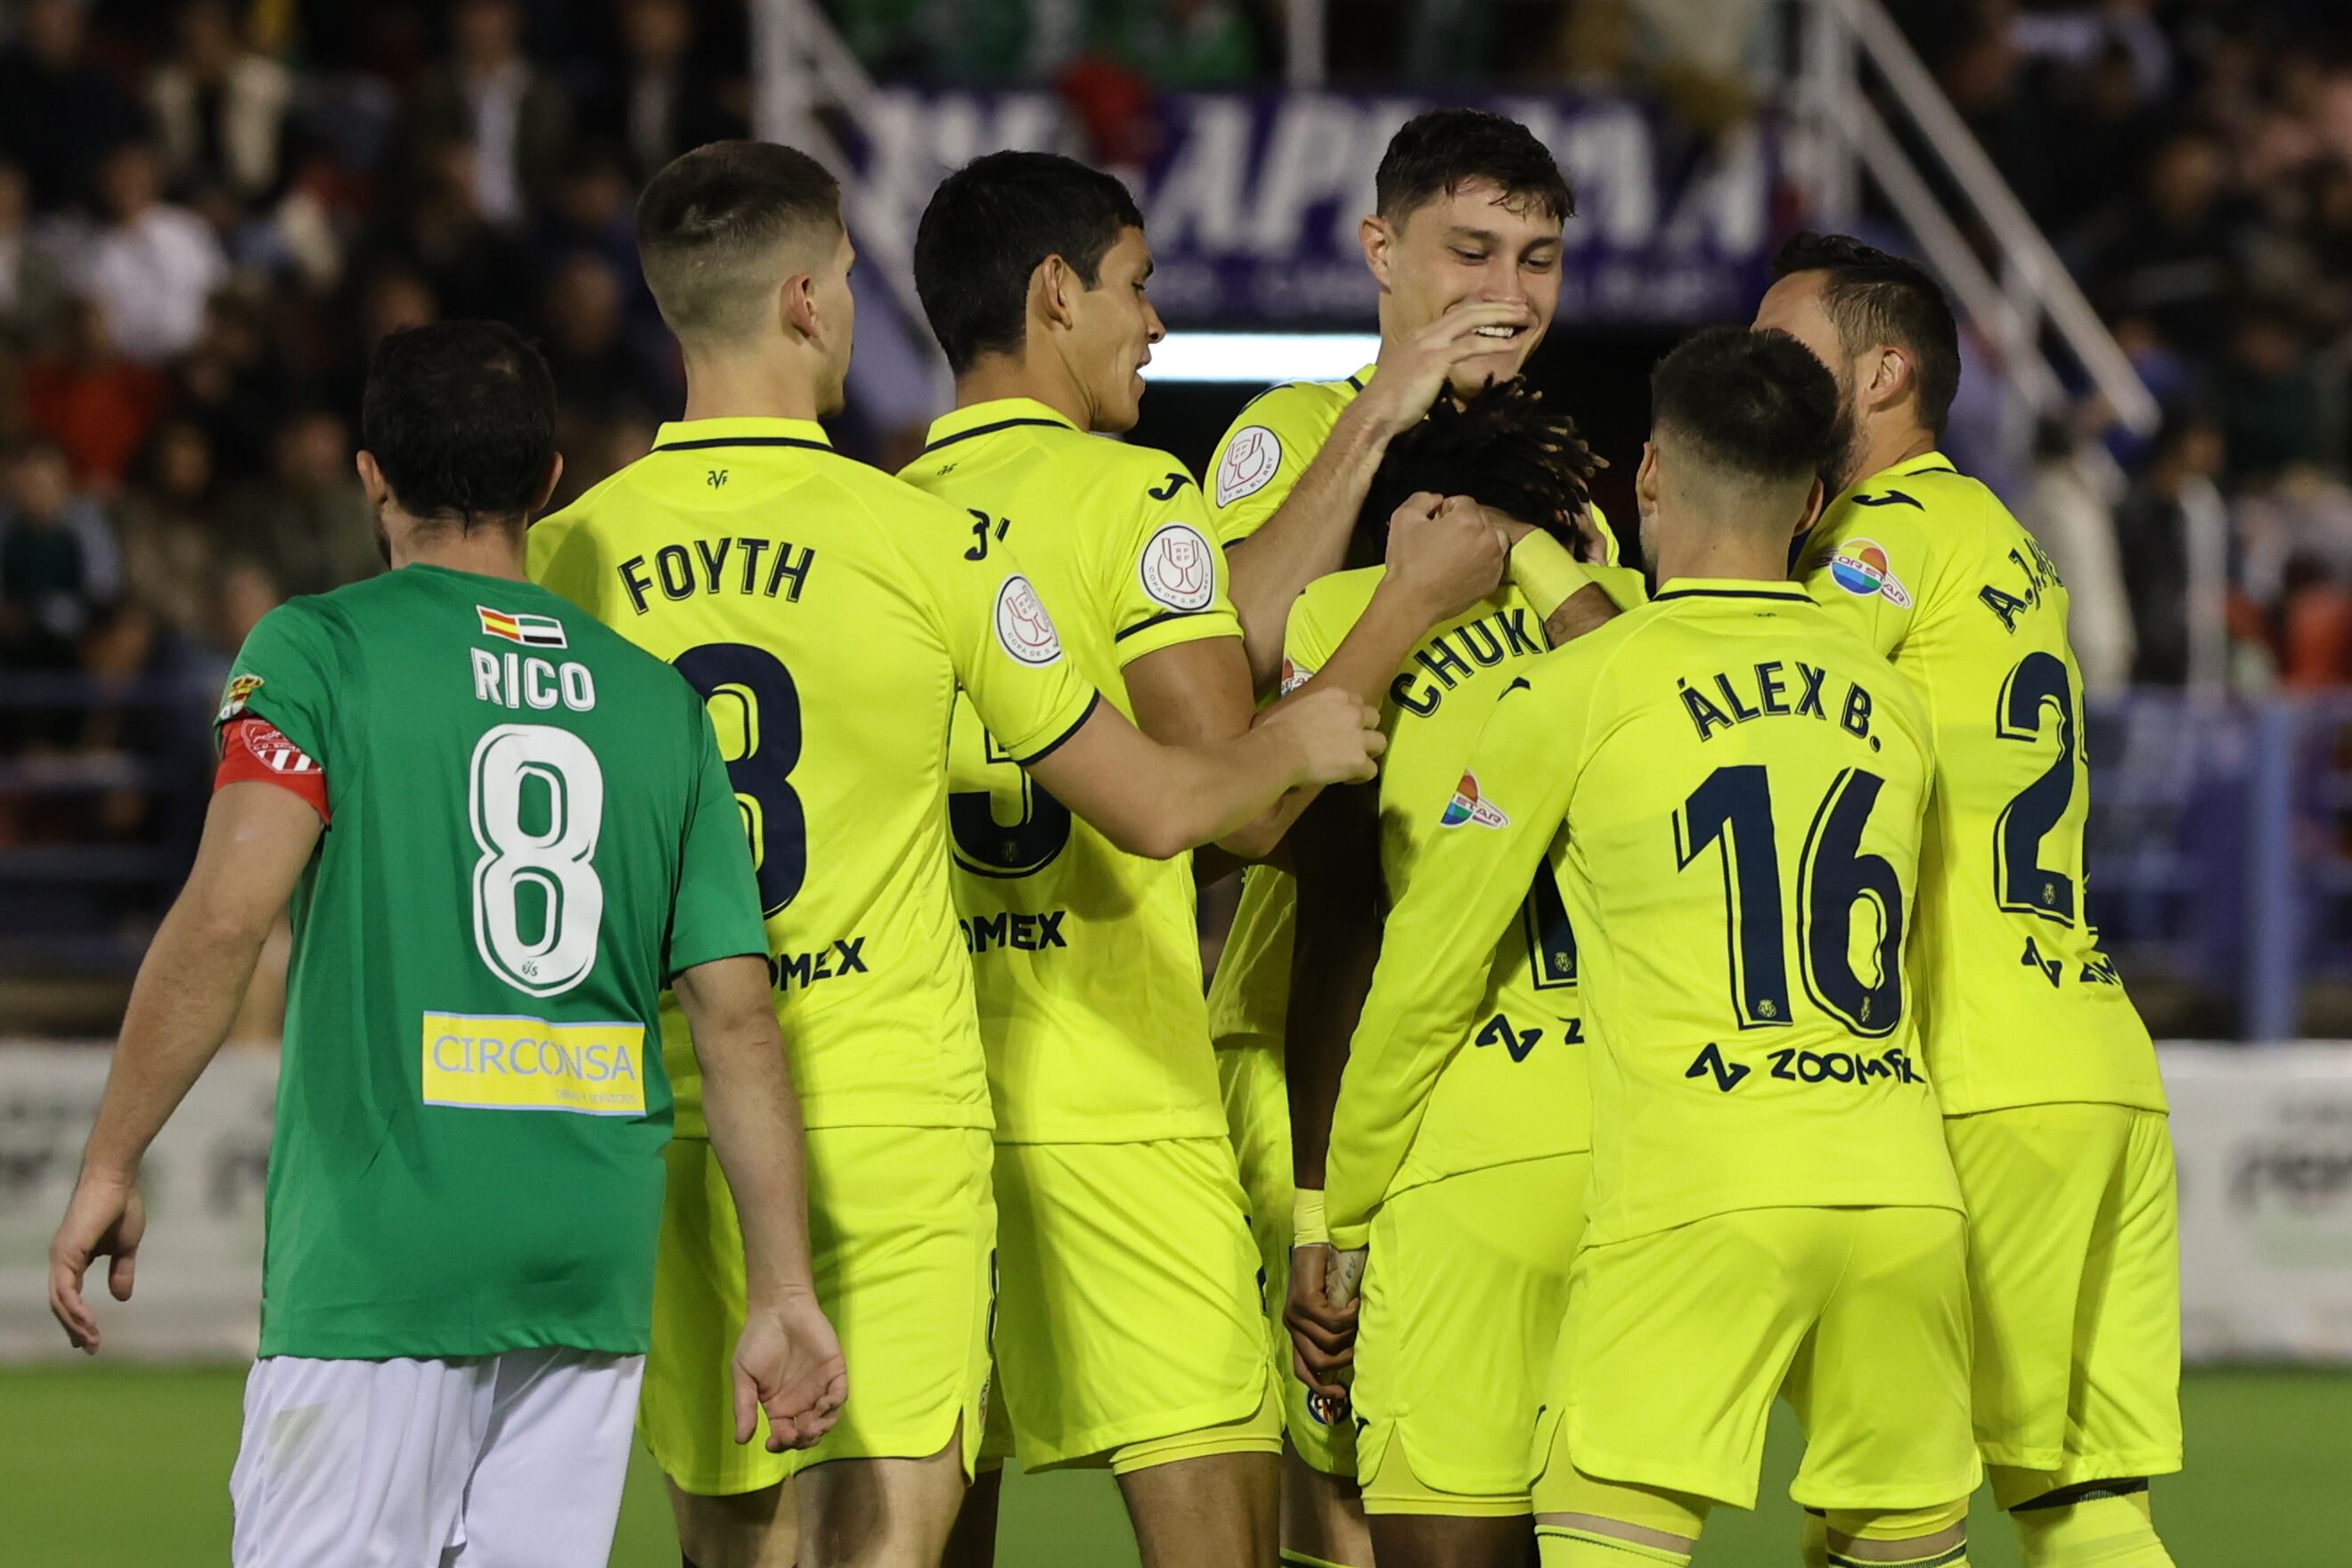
(1504, 449)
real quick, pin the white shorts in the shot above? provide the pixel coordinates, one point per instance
(505, 1461)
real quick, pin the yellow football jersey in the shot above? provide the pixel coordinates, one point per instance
(1730, 789)
(828, 615)
(1257, 466)
(1086, 959)
(2021, 1007)
(1258, 463)
(1512, 1088)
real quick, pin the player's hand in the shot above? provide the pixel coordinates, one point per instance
(104, 1218)
(1413, 372)
(1446, 552)
(788, 1363)
(1322, 1330)
(1338, 739)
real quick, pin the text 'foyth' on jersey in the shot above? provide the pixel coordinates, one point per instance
(829, 616)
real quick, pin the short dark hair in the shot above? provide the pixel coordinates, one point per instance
(709, 220)
(1504, 449)
(1435, 154)
(988, 229)
(460, 416)
(1756, 406)
(1876, 297)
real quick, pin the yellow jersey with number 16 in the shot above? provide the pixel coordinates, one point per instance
(1730, 788)
(1087, 959)
(828, 615)
(2021, 1006)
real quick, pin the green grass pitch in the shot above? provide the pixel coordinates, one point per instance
(107, 1467)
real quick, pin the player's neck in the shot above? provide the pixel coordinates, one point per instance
(761, 386)
(994, 377)
(1742, 556)
(1889, 444)
(485, 550)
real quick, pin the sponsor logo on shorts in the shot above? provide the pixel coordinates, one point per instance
(1022, 626)
(531, 631)
(1293, 675)
(1251, 460)
(239, 693)
(1860, 566)
(1469, 805)
(492, 1061)
(1178, 570)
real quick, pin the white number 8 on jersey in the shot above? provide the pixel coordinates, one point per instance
(558, 862)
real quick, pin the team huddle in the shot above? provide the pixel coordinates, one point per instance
(1661, 984)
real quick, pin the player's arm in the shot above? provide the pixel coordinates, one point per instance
(788, 1361)
(1443, 557)
(1160, 801)
(787, 1358)
(258, 838)
(1335, 856)
(1467, 886)
(1307, 535)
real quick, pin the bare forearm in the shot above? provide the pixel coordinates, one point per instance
(186, 996)
(754, 1114)
(1331, 972)
(1305, 539)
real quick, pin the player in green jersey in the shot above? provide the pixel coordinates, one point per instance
(2052, 1103)
(1129, 1319)
(503, 831)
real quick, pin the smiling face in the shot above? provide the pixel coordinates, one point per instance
(1471, 245)
(1112, 328)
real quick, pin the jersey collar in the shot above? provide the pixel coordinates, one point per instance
(1732, 588)
(1924, 463)
(695, 434)
(996, 413)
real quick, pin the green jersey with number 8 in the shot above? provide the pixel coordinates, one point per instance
(528, 830)
(828, 615)
(2023, 1008)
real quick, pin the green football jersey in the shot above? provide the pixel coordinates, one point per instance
(529, 830)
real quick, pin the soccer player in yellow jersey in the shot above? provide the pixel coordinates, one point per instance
(1463, 1305)
(2053, 1107)
(1129, 1327)
(1729, 788)
(830, 615)
(1463, 248)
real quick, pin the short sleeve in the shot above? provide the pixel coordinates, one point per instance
(1258, 463)
(717, 912)
(286, 673)
(1007, 655)
(1868, 563)
(1169, 575)
(1308, 638)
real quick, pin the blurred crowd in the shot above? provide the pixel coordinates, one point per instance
(2191, 159)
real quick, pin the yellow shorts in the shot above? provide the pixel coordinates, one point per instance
(2075, 1269)
(1464, 1291)
(1128, 1307)
(1676, 1344)
(1257, 1115)
(901, 1225)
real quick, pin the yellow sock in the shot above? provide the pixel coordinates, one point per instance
(1564, 1546)
(2097, 1532)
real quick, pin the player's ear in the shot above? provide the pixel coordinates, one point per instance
(1815, 499)
(1378, 241)
(1645, 478)
(1056, 294)
(373, 483)
(546, 486)
(1890, 378)
(796, 305)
